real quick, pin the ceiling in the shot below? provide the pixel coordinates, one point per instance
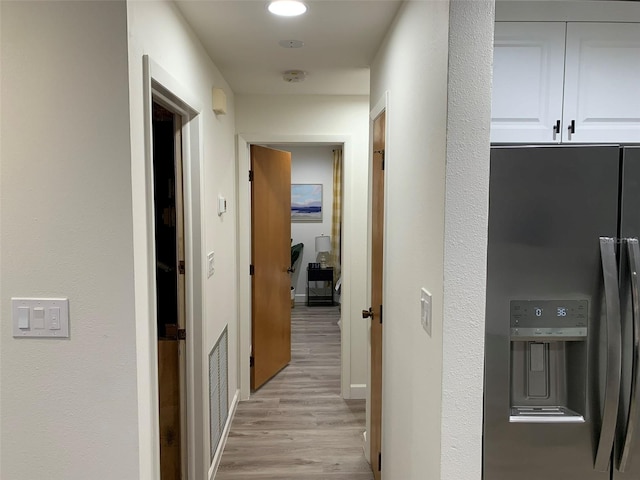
(340, 39)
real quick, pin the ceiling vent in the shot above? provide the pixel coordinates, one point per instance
(294, 76)
(291, 43)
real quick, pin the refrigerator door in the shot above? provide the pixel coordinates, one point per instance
(627, 451)
(546, 363)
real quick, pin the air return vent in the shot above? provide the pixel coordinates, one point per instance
(218, 390)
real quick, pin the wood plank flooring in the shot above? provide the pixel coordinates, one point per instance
(297, 427)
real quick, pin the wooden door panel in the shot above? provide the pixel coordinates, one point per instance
(169, 399)
(271, 259)
(377, 244)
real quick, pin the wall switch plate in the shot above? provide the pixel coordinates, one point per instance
(222, 205)
(211, 268)
(425, 310)
(40, 317)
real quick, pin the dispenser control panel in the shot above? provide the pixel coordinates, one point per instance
(562, 319)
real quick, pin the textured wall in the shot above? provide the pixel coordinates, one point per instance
(158, 29)
(69, 407)
(412, 66)
(467, 185)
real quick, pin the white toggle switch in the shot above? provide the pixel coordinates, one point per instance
(38, 318)
(54, 315)
(23, 318)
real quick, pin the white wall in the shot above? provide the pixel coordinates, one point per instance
(412, 66)
(311, 164)
(436, 211)
(157, 29)
(69, 407)
(467, 210)
(291, 116)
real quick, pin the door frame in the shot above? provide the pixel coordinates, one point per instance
(161, 86)
(382, 105)
(244, 253)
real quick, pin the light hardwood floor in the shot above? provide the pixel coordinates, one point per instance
(297, 427)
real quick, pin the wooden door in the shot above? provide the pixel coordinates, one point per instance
(271, 260)
(170, 290)
(602, 83)
(528, 74)
(375, 312)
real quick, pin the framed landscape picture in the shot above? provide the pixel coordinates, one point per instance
(306, 202)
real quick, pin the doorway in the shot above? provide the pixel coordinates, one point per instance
(170, 290)
(244, 235)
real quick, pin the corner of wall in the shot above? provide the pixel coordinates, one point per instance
(467, 185)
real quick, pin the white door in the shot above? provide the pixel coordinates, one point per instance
(602, 83)
(528, 75)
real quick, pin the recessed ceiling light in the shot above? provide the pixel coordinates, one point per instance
(287, 8)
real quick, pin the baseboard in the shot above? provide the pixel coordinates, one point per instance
(300, 298)
(213, 469)
(358, 391)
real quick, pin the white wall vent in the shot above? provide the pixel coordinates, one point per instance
(218, 390)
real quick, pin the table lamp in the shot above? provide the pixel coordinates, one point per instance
(323, 246)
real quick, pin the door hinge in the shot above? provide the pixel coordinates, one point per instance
(251, 361)
(181, 267)
(379, 461)
(251, 175)
(252, 270)
(380, 314)
(381, 152)
(172, 332)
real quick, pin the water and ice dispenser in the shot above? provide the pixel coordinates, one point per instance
(548, 360)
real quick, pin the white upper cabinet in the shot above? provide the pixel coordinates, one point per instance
(588, 82)
(528, 72)
(602, 83)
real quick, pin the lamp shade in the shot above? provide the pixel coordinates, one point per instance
(323, 244)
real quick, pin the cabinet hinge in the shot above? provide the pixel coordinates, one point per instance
(251, 175)
(182, 334)
(379, 461)
(251, 361)
(380, 314)
(252, 270)
(181, 267)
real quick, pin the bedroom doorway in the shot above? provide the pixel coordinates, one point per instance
(270, 263)
(170, 289)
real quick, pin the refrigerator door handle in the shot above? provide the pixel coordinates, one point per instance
(613, 354)
(632, 418)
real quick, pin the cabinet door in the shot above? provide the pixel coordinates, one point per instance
(528, 73)
(602, 83)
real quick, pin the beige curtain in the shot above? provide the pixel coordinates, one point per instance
(336, 223)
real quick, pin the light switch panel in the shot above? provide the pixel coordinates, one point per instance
(40, 317)
(222, 205)
(425, 310)
(211, 267)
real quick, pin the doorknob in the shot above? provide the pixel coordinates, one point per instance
(367, 313)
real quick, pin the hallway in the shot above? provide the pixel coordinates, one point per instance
(297, 426)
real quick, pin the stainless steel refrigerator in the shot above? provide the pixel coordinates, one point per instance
(562, 373)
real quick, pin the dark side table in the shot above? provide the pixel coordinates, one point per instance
(319, 286)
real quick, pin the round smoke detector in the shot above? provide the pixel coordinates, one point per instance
(291, 43)
(294, 76)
